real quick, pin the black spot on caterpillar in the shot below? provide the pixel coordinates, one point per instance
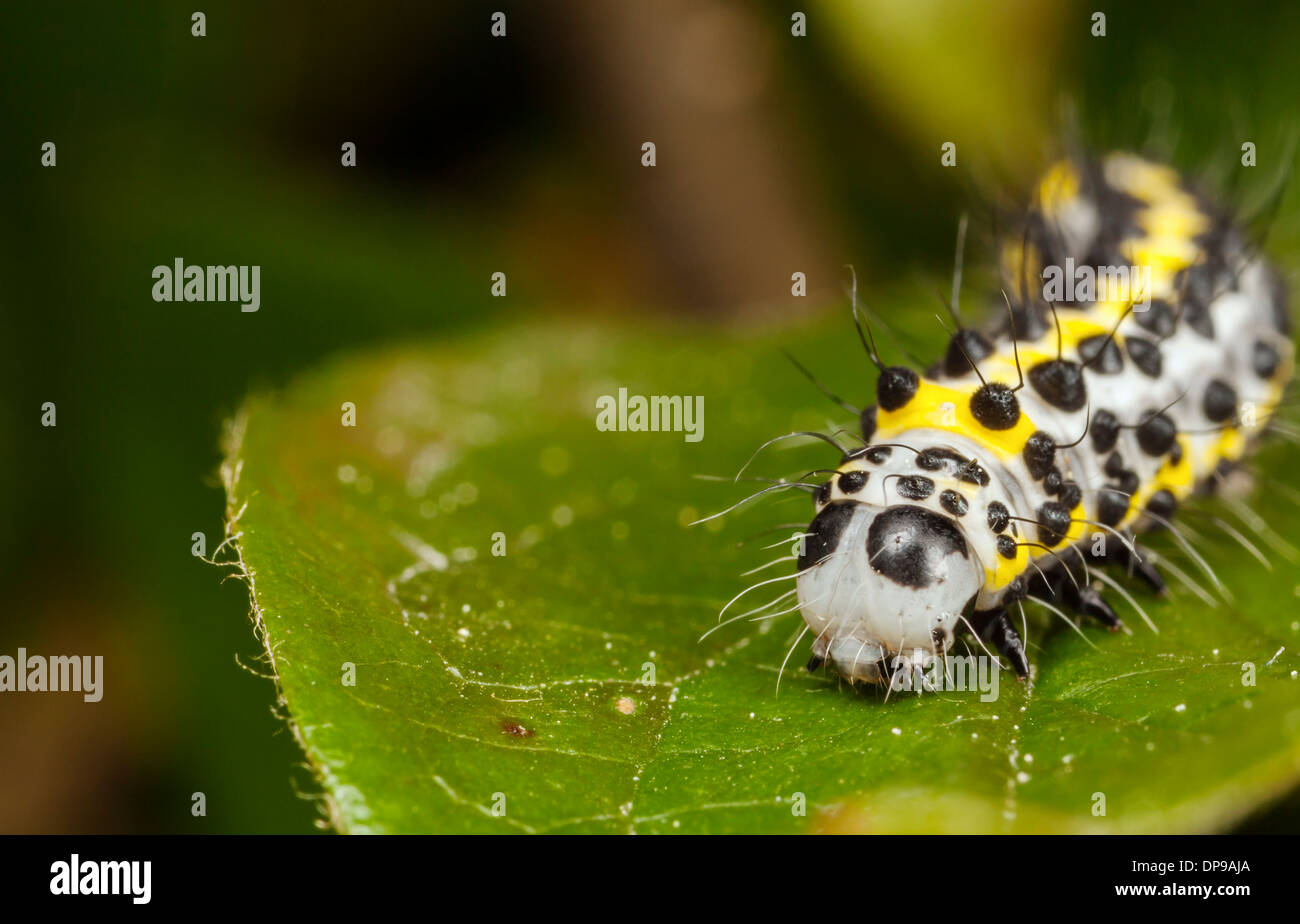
(1076, 425)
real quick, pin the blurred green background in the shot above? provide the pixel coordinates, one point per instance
(475, 155)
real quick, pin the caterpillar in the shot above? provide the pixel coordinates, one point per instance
(1051, 441)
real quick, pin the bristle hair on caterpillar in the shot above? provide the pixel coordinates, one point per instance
(1143, 347)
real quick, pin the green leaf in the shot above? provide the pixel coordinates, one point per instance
(564, 685)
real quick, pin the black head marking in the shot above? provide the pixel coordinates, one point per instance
(939, 635)
(909, 544)
(1006, 546)
(995, 406)
(976, 347)
(1264, 359)
(915, 487)
(823, 494)
(1158, 318)
(1145, 355)
(1039, 454)
(1156, 434)
(1060, 383)
(999, 516)
(852, 482)
(896, 386)
(1100, 354)
(825, 531)
(954, 502)
(1163, 504)
(1070, 495)
(1112, 504)
(1220, 401)
(1053, 524)
(1105, 431)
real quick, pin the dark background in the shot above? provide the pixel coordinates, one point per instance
(473, 153)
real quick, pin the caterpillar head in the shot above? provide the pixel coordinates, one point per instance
(883, 587)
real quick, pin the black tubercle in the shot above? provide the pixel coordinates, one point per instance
(1006, 546)
(877, 455)
(995, 406)
(822, 494)
(976, 347)
(1070, 495)
(1112, 504)
(915, 487)
(1060, 383)
(1053, 524)
(937, 457)
(1145, 355)
(852, 482)
(1158, 318)
(1197, 317)
(1100, 354)
(909, 544)
(896, 386)
(973, 473)
(1028, 321)
(954, 502)
(1163, 504)
(824, 532)
(1052, 480)
(1196, 283)
(1039, 454)
(1220, 401)
(999, 516)
(867, 422)
(1156, 434)
(1105, 431)
(1264, 359)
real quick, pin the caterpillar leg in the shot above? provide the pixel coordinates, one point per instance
(1118, 554)
(1090, 602)
(1082, 598)
(1008, 642)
